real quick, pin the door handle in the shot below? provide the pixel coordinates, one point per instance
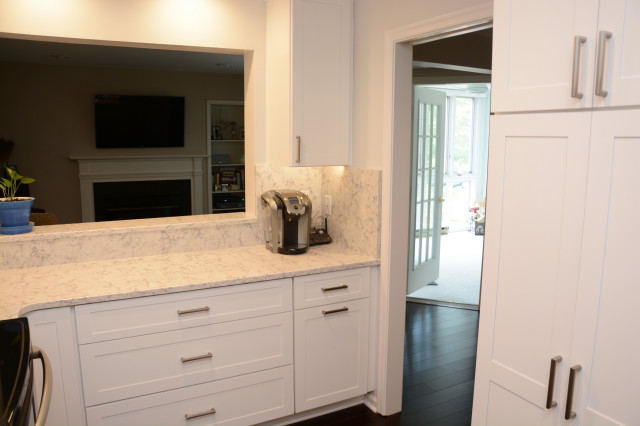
(552, 381)
(47, 374)
(575, 77)
(299, 147)
(573, 372)
(602, 41)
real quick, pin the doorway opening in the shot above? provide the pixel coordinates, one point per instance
(450, 134)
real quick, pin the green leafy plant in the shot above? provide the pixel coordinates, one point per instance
(10, 186)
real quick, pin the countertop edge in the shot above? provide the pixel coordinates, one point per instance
(61, 303)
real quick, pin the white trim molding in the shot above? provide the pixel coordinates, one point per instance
(139, 168)
(395, 209)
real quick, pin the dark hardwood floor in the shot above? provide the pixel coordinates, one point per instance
(439, 369)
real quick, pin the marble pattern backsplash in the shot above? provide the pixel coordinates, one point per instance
(355, 217)
(354, 223)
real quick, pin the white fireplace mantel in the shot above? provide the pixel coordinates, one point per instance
(139, 168)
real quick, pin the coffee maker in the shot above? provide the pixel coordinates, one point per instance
(287, 221)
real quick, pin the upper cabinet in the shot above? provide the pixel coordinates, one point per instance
(551, 55)
(309, 76)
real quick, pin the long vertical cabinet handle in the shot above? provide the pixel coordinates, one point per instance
(573, 372)
(299, 147)
(575, 77)
(552, 381)
(602, 41)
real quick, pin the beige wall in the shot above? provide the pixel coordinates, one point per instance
(231, 26)
(48, 112)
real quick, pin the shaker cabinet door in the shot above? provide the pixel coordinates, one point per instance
(606, 345)
(533, 54)
(535, 207)
(331, 353)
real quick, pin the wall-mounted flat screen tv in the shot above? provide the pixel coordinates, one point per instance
(139, 121)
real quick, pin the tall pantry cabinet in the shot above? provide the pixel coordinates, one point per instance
(557, 332)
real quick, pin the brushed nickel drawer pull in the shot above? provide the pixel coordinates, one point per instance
(552, 381)
(193, 311)
(204, 413)
(339, 287)
(573, 372)
(335, 311)
(196, 358)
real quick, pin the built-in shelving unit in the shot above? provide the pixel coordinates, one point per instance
(225, 140)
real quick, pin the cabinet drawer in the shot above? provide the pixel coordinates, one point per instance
(330, 287)
(135, 317)
(249, 399)
(142, 365)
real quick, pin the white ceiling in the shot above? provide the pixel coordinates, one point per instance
(69, 54)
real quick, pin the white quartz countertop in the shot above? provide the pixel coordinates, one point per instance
(30, 289)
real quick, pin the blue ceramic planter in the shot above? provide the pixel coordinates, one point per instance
(14, 216)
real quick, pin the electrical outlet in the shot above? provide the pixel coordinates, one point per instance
(326, 209)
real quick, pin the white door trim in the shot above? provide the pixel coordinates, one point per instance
(395, 194)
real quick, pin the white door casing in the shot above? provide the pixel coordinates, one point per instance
(395, 176)
(426, 187)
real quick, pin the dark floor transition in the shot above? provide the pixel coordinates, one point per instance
(439, 368)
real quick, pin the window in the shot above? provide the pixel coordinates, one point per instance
(459, 139)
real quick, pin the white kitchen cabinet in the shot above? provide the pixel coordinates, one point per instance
(309, 76)
(331, 341)
(144, 358)
(535, 55)
(141, 365)
(118, 319)
(605, 336)
(535, 208)
(243, 400)
(52, 330)
(560, 278)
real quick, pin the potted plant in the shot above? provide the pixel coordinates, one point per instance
(14, 211)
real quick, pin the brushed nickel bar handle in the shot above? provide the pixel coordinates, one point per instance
(602, 41)
(193, 311)
(204, 413)
(573, 372)
(339, 287)
(334, 311)
(575, 77)
(552, 381)
(299, 146)
(196, 358)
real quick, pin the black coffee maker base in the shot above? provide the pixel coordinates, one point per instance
(293, 250)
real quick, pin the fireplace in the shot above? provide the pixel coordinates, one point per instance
(134, 179)
(141, 199)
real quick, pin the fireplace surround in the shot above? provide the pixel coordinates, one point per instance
(133, 169)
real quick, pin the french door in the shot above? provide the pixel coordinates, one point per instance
(426, 187)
